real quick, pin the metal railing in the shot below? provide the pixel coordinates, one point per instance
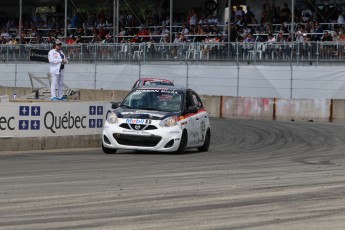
(193, 51)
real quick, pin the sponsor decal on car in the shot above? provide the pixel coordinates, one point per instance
(137, 121)
(136, 132)
(202, 126)
(138, 112)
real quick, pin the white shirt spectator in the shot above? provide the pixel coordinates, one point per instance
(306, 15)
(185, 31)
(341, 19)
(192, 20)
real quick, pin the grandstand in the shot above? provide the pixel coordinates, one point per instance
(191, 31)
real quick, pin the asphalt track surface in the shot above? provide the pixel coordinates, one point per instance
(257, 175)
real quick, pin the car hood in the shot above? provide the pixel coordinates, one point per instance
(143, 114)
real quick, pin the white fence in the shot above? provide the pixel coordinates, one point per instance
(219, 78)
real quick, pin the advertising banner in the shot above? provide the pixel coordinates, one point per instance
(52, 118)
(39, 55)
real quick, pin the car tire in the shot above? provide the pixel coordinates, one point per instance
(183, 143)
(108, 150)
(206, 145)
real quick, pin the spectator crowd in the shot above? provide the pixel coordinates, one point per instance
(312, 24)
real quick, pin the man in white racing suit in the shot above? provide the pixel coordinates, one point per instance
(57, 61)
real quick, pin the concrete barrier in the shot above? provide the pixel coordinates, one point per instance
(247, 108)
(44, 143)
(212, 105)
(11, 139)
(303, 109)
(338, 110)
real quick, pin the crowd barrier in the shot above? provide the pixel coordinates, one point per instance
(187, 51)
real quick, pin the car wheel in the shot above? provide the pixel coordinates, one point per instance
(183, 143)
(108, 150)
(206, 145)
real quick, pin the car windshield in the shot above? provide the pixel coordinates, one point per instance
(158, 83)
(169, 100)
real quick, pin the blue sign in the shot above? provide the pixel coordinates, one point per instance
(99, 123)
(24, 110)
(35, 110)
(92, 123)
(23, 125)
(35, 125)
(92, 110)
(99, 110)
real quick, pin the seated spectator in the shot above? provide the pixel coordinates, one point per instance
(203, 20)
(270, 44)
(280, 46)
(13, 41)
(184, 30)
(107, 39)
(70, 40)
(80, 32)
(143, 34)
(5, 34)
(306, 46)
(206, 48)
(248, 44)
(326, 36)
(164, 31)
(325, 47)
(299, 37)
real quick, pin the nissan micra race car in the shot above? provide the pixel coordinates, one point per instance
(157, 118)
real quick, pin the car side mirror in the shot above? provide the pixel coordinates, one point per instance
(192, 109)
(115, 105)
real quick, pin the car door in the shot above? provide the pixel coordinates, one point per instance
(201, 118)
(193, 119)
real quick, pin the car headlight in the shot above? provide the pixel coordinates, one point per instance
(169, 121)
(112, 118)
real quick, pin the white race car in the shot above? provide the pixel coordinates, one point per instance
(157, 118)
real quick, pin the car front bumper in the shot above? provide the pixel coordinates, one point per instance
(162, 139)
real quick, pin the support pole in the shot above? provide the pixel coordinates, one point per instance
(171, 19)
(65, 34)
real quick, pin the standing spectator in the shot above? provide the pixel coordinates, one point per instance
(340, 19)
(101, 17)
(285, 13)
(239, 11)
(269, 13)
(263, 14)
(57, 62)
(74, 20)
(317, 34)
(306, 14)
(193, 18)
(327, 14)
(250, 13)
